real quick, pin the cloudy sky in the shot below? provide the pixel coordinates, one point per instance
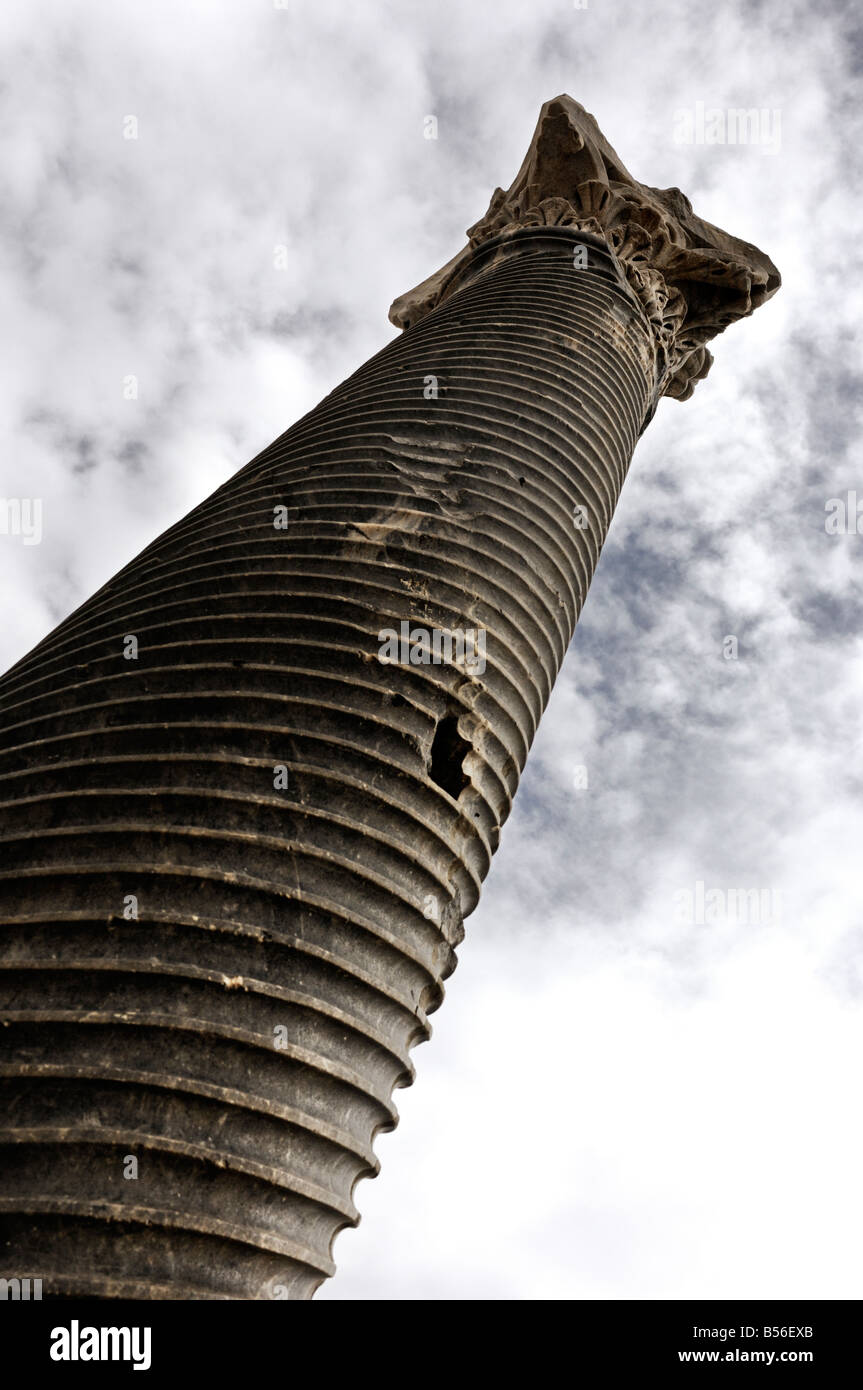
(620, 1100)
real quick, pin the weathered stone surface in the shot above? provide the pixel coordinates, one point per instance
(235, 869)
(691, 278)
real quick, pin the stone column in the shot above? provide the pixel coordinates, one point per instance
(251, 788)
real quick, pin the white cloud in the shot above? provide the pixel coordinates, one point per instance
(614, 1105)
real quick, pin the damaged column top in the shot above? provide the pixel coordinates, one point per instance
(691, 279)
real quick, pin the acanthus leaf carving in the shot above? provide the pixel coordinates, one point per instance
(691, 279)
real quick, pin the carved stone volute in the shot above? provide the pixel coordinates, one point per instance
(691, 278)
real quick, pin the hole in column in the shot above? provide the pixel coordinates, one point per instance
(448, 752)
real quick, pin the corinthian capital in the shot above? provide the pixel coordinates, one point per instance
(691, 279)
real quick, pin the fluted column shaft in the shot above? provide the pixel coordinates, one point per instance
(235, 867)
